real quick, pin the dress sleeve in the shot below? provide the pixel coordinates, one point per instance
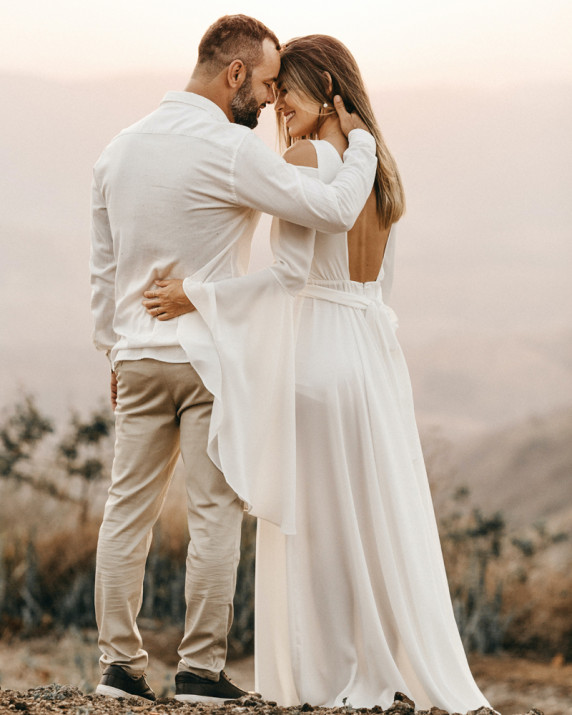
(241, 341)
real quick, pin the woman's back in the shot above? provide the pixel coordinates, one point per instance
(357, 255)
(366, 244)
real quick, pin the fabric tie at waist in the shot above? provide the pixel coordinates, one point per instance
(376, 310)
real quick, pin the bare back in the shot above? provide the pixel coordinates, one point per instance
(366, 244)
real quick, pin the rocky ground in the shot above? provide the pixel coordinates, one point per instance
(29, 669)
(65, 698)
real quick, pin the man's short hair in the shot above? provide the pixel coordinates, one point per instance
(233, 37)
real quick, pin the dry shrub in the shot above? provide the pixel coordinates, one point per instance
(510, 591)
(63, 554)
(538, 602)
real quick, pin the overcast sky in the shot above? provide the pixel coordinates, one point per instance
(396, 42)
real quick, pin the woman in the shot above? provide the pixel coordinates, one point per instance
(354, 605)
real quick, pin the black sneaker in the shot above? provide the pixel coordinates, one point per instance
(117, 683)
(191, 688)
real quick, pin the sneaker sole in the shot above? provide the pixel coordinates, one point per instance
(188, 698)
(112, 692)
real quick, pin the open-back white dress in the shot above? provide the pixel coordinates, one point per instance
(352, 602)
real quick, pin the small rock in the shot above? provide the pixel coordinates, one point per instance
(400, 708)
(438, 711)
(535, 711)
(401, 697)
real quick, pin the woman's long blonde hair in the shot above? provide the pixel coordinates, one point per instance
(304, 64)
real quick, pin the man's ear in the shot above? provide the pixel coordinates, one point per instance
(236, 74)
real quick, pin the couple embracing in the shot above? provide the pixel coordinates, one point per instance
(284, 390)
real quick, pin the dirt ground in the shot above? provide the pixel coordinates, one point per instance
(29, 667)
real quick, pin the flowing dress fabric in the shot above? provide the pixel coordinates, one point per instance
(241, 341)
(355, 604)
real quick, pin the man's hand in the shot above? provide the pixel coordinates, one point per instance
(113, 390)
(348, 121)
(168, 300)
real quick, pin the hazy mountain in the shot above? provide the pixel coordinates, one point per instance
(482, 280)
(522, 470)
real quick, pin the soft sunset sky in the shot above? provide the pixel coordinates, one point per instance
(396, 42)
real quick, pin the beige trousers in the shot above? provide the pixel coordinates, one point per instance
(164, 408)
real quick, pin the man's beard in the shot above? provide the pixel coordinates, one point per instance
(244, 106)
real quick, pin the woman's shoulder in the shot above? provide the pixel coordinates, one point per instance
(302, 153)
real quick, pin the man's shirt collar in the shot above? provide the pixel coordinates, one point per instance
(196, 100)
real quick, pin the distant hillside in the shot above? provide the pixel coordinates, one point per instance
(524, 470)
(474, 381)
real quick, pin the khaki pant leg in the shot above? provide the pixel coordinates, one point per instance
(214, 519)
(146, 449)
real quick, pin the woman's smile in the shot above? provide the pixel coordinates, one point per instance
(301, 119)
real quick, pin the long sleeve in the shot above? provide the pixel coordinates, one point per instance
(242, 340)
(102, 270)
(264, 181)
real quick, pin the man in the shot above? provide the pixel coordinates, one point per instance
(169, 194)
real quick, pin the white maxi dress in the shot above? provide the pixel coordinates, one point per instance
(313, 426)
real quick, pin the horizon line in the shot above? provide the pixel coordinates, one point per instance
(494, 86)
